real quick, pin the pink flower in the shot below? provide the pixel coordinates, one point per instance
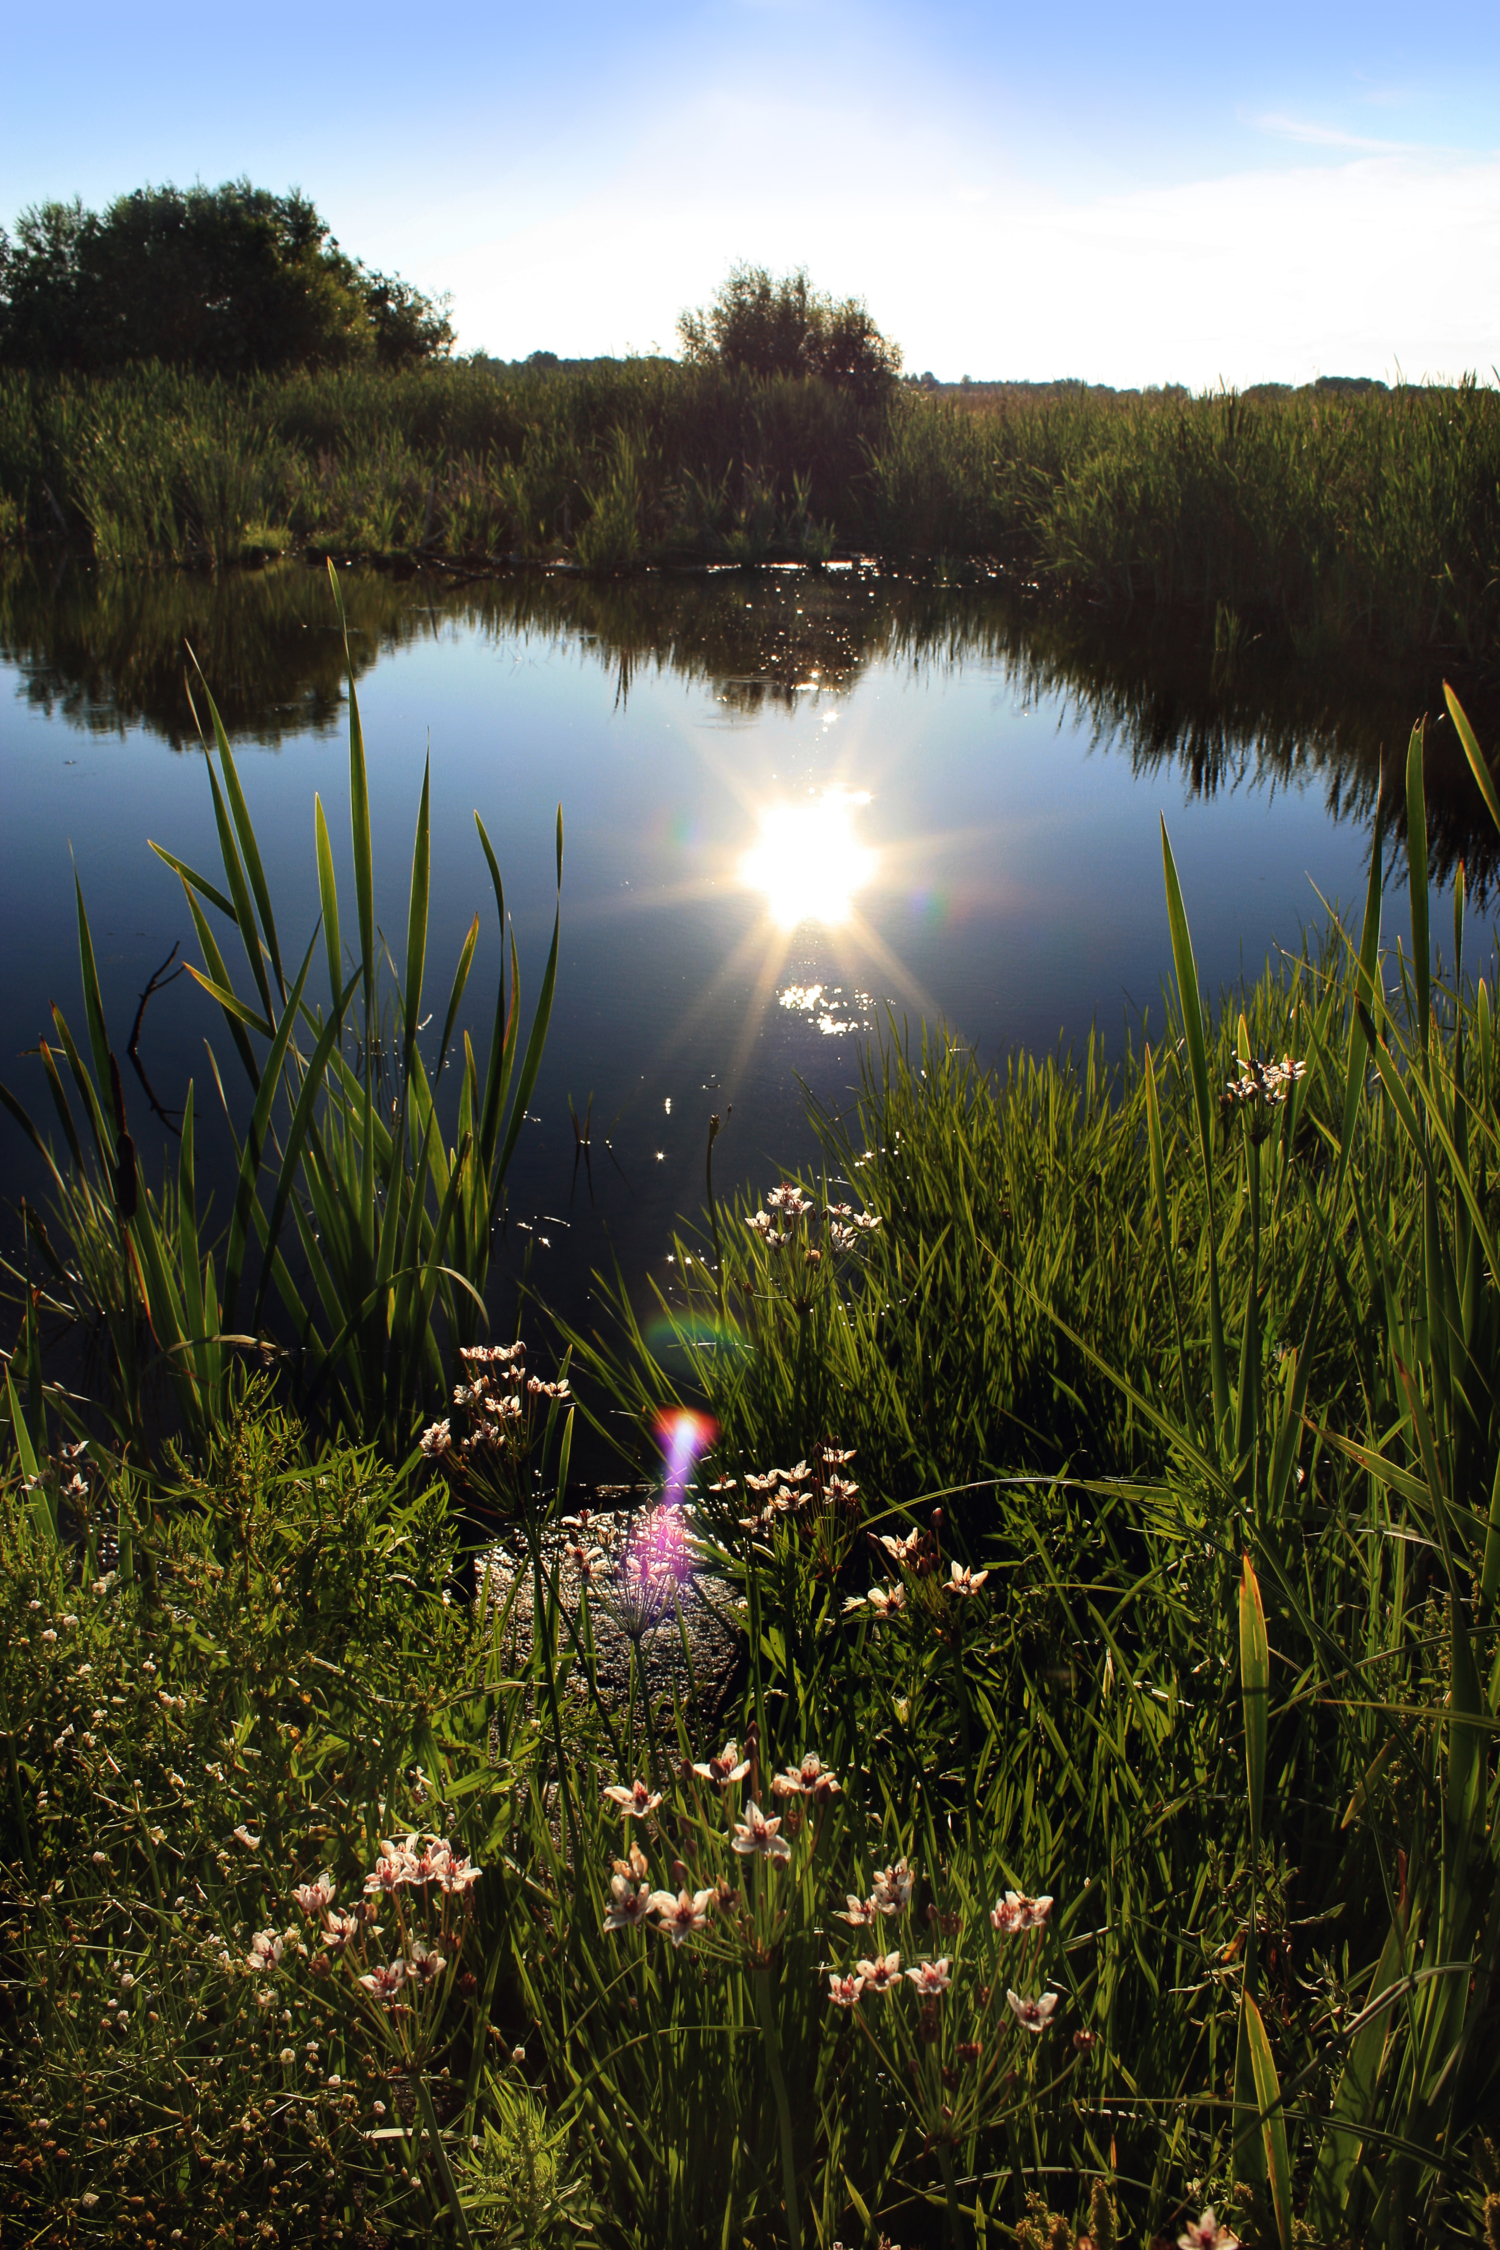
(893, 1889)
(385, 1983)
(313, 1897)
(886, 1601)
(1017, 1912)
(629, 1901)
(679, 1917)
(1207, 2234)
(265, 1952)
(962, 1580)
(880, 1974)
(338, 1929)
(1032, 2015)
(806, 1780)
(436, 1439)
(931, 1978)
(727, 1768)
(861, 1912)
(427, 1963)
(395, 1864)
(634, 1802)
(243, 1836)
(757, 1834)
(844, 1992)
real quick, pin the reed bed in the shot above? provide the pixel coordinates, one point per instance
(1326, 518)
(1105, 1477)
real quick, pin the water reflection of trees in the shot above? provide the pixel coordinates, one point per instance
(106, 652)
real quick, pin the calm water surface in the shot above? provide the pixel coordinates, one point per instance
(800, 809)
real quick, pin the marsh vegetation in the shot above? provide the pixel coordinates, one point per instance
(1313, 521)
(1102, 1465)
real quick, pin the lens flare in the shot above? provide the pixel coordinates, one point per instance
(684, 1438)
(808, 861)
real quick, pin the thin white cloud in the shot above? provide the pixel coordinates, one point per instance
(1313, 135)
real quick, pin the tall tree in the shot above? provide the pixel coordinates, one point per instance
(226, 279)
(783, 326)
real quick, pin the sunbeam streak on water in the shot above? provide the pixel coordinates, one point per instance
(807, 862)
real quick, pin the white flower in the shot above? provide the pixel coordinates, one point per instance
(1017, 1912)
(961, 1580)
(880, 1974)
(861, 1912)
(806, 1780)
(1032, 2015)
(727, 1768)
(630, 1897)
(757, 1834)
(634, 1802)
(266, 1949)
(287, 2055)
(931, 1977)
(680, 1916)
(1207, 2234)
(844, 1992)
(427, 1963)
(243, 1836)
(338, 1929)
(384, 1983)
(886, 1600)
(893, 1888)
(436, 1439)
(313, 1897)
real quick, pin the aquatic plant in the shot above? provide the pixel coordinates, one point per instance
(343, 1146)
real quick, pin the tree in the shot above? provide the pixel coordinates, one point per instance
(786, 327)
(227, 280)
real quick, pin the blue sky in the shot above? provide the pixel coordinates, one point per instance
(1136, 195)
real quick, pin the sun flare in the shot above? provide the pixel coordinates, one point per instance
(807, 862)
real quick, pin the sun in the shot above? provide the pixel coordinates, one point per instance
(807, 862)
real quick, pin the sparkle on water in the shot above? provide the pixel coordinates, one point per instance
(807, 862)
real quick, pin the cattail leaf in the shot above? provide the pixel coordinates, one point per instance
(1255, 1685)
(1278, 2170)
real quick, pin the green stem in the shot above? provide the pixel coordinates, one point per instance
(950, 2192)
(713, 1221)
(761, 1978)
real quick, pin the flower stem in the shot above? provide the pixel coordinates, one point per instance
(950, 2191)
(761, 1978)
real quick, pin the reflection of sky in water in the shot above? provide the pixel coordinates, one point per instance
(989, 865)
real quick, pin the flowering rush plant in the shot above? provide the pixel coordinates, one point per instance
(397, 1945)
(950, 2004)
(738, 1867)
(486, 1439)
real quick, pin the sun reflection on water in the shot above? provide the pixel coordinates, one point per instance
(807, 862)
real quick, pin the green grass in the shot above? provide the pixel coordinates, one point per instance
(1327, 519)
(1196, 1367)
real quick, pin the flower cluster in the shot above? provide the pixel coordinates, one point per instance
(913, 1557)
(418, 1861)
(754, 1836)
(1269, 1083)
(789, 1215)
(498, 1397)
(799, 1493)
